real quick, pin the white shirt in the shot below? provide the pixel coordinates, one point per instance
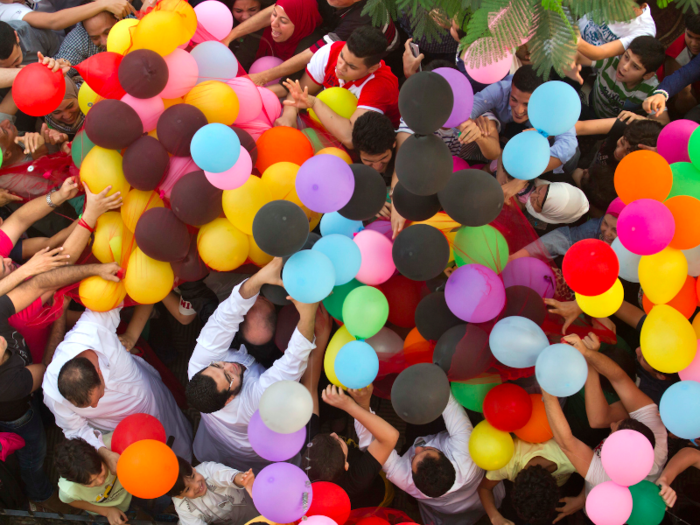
(625, 32)
(223, 436)
(13, 12)
(132, 386)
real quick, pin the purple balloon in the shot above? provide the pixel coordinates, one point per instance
(272, 445)
(325, 183)
(463, 95)
(530, 272)
(282, 492)
(475, 293)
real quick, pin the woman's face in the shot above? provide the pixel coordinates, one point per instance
(537, 197)
(282, 27)
(67, 111)
(244, 9)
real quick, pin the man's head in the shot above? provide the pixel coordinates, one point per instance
(692, 33)
(243, 9)
(214, 387)
(433, 473)
(80, 382)
(374, 138)
(189, 484)
(525, 81)
(98, 28)
(653, 371)
(8, 134)
(362, 54)
(10, 52)
(260, 322)
(535, 495)
(633, 424)
(78, 461)
(640, 61)
(326, 458)
(624, 360)
(644, 132)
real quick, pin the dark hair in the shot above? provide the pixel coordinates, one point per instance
(502, 165)
(368, 43)
(77, 461)
(526, 80)
(624, 360)
(633, 424)
(692, 23)
(650, 51)
(535, 495)
(8, 40)
(203, 394)
(599, 186)
(323, 460)
(373, 133)
(186, 471)
(434, 476)
(77, 378)
(642, 132)
(437, 63)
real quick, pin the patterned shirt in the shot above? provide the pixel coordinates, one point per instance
(610, 96)
(77, 47)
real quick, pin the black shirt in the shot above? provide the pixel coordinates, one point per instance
(15, 380)
(362, 481)
(606, 153)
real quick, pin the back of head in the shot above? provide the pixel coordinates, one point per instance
(644, 132)
(373, 133)
(185, 471)
(650, 51)
(323, 459)
(77, 378)
(633, 424)
(8, 40)
(77, 461)
(535, 495)
(692, 23)
(438, 63)
(260, 322)
(368, 43)
(599, 186)
(434, 475)
(526, 80)
(204, 395)
(624, 360)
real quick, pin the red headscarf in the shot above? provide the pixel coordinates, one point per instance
(305, 17)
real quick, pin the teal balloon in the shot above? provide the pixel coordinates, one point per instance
(334, 302)
(343, 253)
(80, 147)
(335, 223)
(356, 364)
(526, 155)
(686, 180)
(215, 148)
(308, 276)
(554, 107)
(648, 508)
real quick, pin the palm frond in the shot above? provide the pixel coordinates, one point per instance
(602, 11)
(552, 45)
(688, 5)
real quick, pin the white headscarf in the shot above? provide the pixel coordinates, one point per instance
(564, 204)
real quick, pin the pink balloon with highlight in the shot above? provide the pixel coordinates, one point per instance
(645, 226)
(458, 164)
(319, 520)
(272, 107)
(672, 143)
(475, 293)
(263, 64)
(148, 110)
(489, 73)
(609, 504)
(250, 101)
(692, 372)
(627, 457)
(214, 18)
(234, 177)
(183, 73)
(377, 263)
(179, 166)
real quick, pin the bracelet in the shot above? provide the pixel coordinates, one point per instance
(661, 92)
(48, 198)
(81, 222)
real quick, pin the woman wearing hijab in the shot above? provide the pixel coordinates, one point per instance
(555, 203)
(67, 117)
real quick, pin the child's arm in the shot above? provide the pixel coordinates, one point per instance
(172, 303)
(142, 312)
(489, 503)
(113, 514)
(591, 52)
(686, 458)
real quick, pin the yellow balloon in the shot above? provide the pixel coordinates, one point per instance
(100, 295)
(335, 151)
(279, 180)
(87, 98)
(668, 340)
(490, 448)
(696, 326)
(241, 204)
(135, 203)
(119, 39)
(605, 304)
(101, 168)
(148, 281)
(159, 31)
(255, 254)
(340, 100)
(338, 341)
(109, 229)
(222, 246)
(153, 133)
(216, 100)
(188, 18)
(663, 274)
(169, 102)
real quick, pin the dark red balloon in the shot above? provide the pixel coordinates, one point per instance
(145, 163)
(463, 352)
(176, 127)
(247, 142)
(192, 267)
(113, 124)
(101, 72)
(523, 301)
(136, 427)
(195, 200)
(287, 320)
(37, 91)
(403, 296)
(590, 267)
(331, 501)
(507, 407)
(162, 236)
(143, 73)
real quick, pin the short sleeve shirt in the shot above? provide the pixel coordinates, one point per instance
(33, 41)
(525, 452)
(15, 380)
(625, 32)
(13, 12)
(610, 96)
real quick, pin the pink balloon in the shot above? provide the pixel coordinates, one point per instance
(249, 99)
(459, 163)
(148, 110)
(609, 504)
(672, 143)
(627, 457)
(319, 520)
(382, 226)
(272, 107)
(215, 18)
(490, 73)
(475, 293)
(377, 263)
(179, 166)
(182, 74)
(530, 272)
(256, 127)
(692, 372)
(645, 226)
(263, 64)
(235, 176)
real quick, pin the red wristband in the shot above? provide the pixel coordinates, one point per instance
(85, 225)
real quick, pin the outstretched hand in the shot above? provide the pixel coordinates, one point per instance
(568, 310)
(302, 99)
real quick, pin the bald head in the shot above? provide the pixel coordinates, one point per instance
(258, 328)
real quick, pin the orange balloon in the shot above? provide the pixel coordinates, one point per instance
(148, 469)
(282, 144)
(643, 175)
(685, 301)
(686, 213)
(537, 429)
(412, 338)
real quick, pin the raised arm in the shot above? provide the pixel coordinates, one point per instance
(172, 303)
(285, 69)
(576, 450)
(489, 502)
(253, 24)
(71, 16)
(684, 459)
(611, 49)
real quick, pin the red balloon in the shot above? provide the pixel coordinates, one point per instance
(507, 407)
(101, 72)
(329, 500)
(136, 427)
(373, 520)
(403, 296)
(38, 91)
(590, 267)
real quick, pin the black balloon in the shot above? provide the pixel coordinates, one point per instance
(247, 142)
(162, 236)
(280, 228)
(112, 124)
(145, 163)
(420, 393)
(195, 200)
(275, 294)
(176, 127)
(369, 195)
(433, 317)
(414, 207)
(423, 164)
(425, 102)
(472, 197)
(523, 301)
(312, 239)
(421, 252)
(192, 267)
(463, 352)
(143, 73)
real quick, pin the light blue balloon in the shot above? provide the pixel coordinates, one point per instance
(561, 370)
(629, 262)
(215, 61)
(680, 409)
(526, 155)
(343, 253)
(215, 148)
(336, 223)
(554, 108)
(517, 341)
(356, 364)
(308, 276)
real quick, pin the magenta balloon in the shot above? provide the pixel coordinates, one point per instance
(459, 164)
(272, 108)
(325, 183)
(250, 102)
(282, 492)
(692, 371)
(475, 293)
(383, 227)
(263, 64)
(530, 272)
(182, 74)
(609, 504)
(645, 226)
(149, 110)
(179, 167)
(627, 457)
(272, 445)
(377, 262)
(463, 95)
(672, 143)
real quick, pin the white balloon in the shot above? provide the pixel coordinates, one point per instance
(693, 257)
(629, 262)
(286, 407)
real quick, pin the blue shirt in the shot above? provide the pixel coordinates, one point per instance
(559, 241)
(685, 76)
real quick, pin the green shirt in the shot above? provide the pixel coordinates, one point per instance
(610, 95)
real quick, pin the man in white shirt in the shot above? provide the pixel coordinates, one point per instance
(13, 10)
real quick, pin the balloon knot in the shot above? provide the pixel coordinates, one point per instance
(47, 174)
(161, 194)
(543, 133)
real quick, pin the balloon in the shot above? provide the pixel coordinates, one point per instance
(483, 245)
(424, 164)
(420, 393)
(609, 504)
(242, 204)
(143, 73)
(680, 409)
(247, 142)
(263, 64)
(113, 124)
(183, 73)
(685, 301)
(471, 394)
(335, 223)
(414, 207)
(433, 316)
(368, 196)
(507, 407)
(365, 311)
(273, 446)
(667, 340)
(148, 469)
(474, 293)
(281, 491)
(517, 342)
(148, 281)
(215, 18)
(249, 99)
(280, 228)
(80, 146)
(215, 62)
(135, 203)
(356, 364)
(686, 180)
(386, 343)
(119, 39)
(215, 99)
(186, 15)
(325, 183)
(561, 370)
(643, 175)
(627, 457)
(537, 429)
(421, 252)
(462, 95)
(488, 73)
(101, 295)
(136, 427)
(194, 200)
(159, 31)
(343, 253)
(222, 246)
(283, 144)
(692, 371)
(38, 91)
(101, 168)
(403, 295)
(648, 506)
(590, 267)
(87, 98)
(150, 239)
(176, 127)
(645, 227)
(342, 101)
(490, 448)
(334, 151)
(334, 302)
(235, 176)
(279, 180)
(603, 305)
(330, 502)
(339, 339)
(272, 108)
(524, 302)
(275, 294)
(554, 108)
(425, 102)
(672, 143)
(148, 110)
(662, 275)
(145, 163)
(286, 407)
(463, 352)
(377, 263)
(106, 246)
(629, 262)
(526, 155)
(192, 267)
(472, 197)
(308, 276)
(100, 71)
(215, 148)
(530, 272)
(686, 215)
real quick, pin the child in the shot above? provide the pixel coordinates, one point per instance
(683, 50)
(245, 47)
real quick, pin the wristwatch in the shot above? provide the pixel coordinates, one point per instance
(48, 198)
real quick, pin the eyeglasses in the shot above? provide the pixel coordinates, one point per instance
(218, 365)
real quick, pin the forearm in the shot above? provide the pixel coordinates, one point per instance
(603, 365)
(31, 212)
(611, 49)
(596, 404)
(61, 277)
(490, 147)
(488, 501)
(58, 332)
(63, 18)
(8, 75)
(288, 67)
(12, 281)
(142, 312)
(594, 127)
(76, 242)
(172, 303)
(674, 84)
(383, 432)
(253, 24)
(684, 459)
(306, 326)
(86, 505)
(557, 422)
(629, 314)
(33, 245)
(339, 127)
(553, 164)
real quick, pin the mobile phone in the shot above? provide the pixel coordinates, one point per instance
(416, 52)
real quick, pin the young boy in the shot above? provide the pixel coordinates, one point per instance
(685, 48)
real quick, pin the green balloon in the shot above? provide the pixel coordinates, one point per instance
(686, 180)
(334, 302)
(481, 245)
(648, 507)
(80, 147)
(471, 396)
(365, 311)
(694, 147)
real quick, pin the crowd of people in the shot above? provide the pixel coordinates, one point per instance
(57, 355)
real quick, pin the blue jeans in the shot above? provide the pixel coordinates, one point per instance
(31, 456)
